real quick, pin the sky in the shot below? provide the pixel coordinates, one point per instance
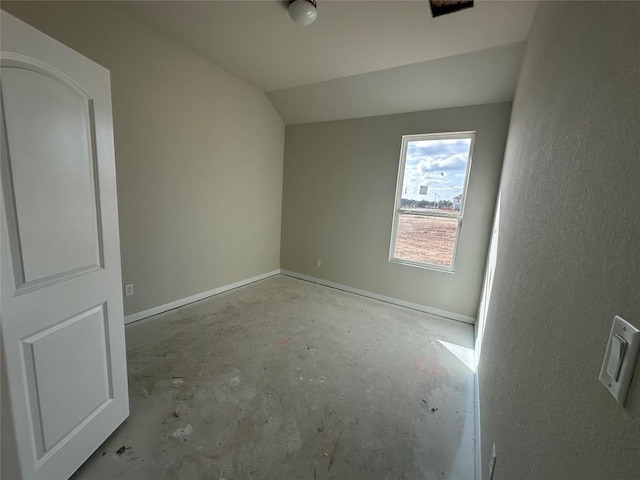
(438, 164)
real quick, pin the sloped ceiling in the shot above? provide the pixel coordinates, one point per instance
(359, 58)
(488, 76)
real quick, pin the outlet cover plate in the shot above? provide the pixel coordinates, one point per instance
(631, 335)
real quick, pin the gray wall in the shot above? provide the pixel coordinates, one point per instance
(568, 252)
(198, 154)
(339, 190)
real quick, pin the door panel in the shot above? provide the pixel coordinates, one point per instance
(64, 399)
(51, 161)
(61, 297)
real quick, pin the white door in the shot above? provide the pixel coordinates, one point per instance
(61, 302)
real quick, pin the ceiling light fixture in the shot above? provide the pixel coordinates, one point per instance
(303, 12)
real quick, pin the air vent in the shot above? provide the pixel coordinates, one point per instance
(444, 7)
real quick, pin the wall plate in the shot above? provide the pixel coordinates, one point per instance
(620, 358)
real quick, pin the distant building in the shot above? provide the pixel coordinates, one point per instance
(457, 203)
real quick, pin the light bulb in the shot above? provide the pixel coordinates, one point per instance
(303, 12)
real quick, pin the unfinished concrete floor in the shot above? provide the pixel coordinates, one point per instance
(284, 379)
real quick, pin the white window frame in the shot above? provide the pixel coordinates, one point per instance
(397, 210)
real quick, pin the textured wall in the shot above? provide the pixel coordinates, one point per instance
(568, 252)
(339, 190)
(198, 154)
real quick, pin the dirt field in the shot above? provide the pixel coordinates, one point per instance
(426, 239)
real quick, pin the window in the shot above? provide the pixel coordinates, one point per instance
(430, 194)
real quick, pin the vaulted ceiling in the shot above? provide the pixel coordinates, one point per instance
(359, 58)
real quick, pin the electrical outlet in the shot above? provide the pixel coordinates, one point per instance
(492, 462)
(318, 262)
(128, 290)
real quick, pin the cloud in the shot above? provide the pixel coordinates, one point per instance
(457, 162)
(439, 164)
(437, 148)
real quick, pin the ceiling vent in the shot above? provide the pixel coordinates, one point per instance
(444, 7)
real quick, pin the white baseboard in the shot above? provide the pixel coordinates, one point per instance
(476, 409)
(478, 445)
(199, 296)
(194, 298)
(396, 301)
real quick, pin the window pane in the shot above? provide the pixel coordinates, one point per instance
(434, 175)
(426, 239)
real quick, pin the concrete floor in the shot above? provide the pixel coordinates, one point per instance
(284, 379)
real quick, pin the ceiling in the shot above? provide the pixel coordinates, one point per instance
(258, 42)
(488, 76)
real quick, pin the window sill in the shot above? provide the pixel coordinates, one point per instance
(425, 266)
